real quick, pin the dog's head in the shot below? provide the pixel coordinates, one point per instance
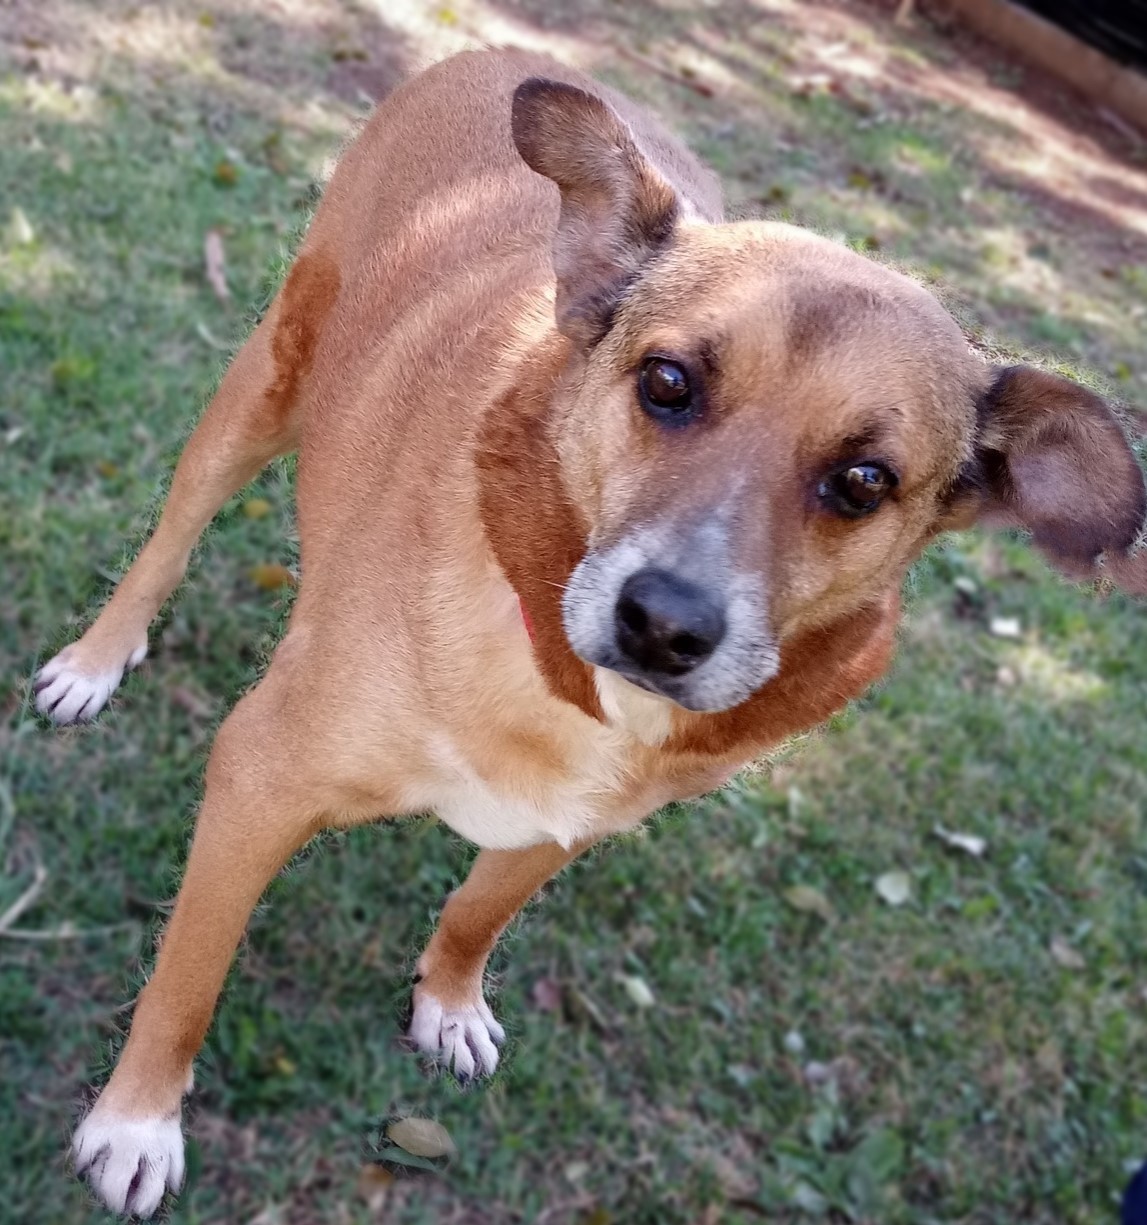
(762, 429)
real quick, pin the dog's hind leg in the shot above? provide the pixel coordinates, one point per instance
(260, 805)
(452, 1021)
(252, 418)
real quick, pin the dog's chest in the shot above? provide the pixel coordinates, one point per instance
(563, 778)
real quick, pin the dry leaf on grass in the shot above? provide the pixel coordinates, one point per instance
(373, 1185)
(547, 995)
(894, 887)
(20, 232)
(193, 703)
(270, 577)
(1005, 627)
(810, 900)
(422, 1137)
(638, 990)
(1066, 956)
(215, 265)
(972, 844)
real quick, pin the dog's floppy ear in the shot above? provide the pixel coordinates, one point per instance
(617, 210)
(1051, 458)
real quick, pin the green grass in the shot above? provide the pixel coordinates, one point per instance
(934, 1062)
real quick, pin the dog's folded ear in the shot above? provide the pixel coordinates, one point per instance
(1052, 458)
(617, 210)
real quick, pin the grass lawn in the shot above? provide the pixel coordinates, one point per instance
(719, 1018)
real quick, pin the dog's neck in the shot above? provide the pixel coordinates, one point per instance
(534, 530)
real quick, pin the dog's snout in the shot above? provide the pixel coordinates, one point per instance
(666, 624)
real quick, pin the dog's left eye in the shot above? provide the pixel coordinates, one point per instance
(665, 391)
(858, 489)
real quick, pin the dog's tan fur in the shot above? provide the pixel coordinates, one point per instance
(453, 355)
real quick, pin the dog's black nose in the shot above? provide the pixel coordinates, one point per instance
(665, 624)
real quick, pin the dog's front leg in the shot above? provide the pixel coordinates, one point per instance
(130, 1146)
(452, 1020)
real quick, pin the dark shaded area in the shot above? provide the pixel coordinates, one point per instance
(1117, 27)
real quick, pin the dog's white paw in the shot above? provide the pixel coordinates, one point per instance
(464, 1039)
(67, 693)
(129, 1162)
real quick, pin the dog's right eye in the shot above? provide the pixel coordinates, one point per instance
(665, 393)
(858, 489)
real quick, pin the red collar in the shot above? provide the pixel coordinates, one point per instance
(526, 619)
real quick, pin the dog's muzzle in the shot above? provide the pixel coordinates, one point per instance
(672, 619)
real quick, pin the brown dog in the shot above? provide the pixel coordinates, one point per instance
(599, 497)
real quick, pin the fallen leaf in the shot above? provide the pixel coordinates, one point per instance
(373, 1185)
(186, 699)
(735, 1183)
(226, 173)
(547, 995)
(894, 887)
(285, 1066)
(810, 900)
(257, 508)
(742, 1074)
(215, 265)
(1066, 956)
(209, 336)
(584, 1008)
(843, 1071)
(422, 1137)
(817, 1073)
(1005, 627)
(271, 577)
(20, 231)
(638, 990)
(972, 843)
(347, 52)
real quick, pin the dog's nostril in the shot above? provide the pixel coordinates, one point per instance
(632, 616)
(687, 644)
(667, 624)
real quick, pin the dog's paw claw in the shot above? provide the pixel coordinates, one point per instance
(129, 1163)
(67, 693)
(463, 1039)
